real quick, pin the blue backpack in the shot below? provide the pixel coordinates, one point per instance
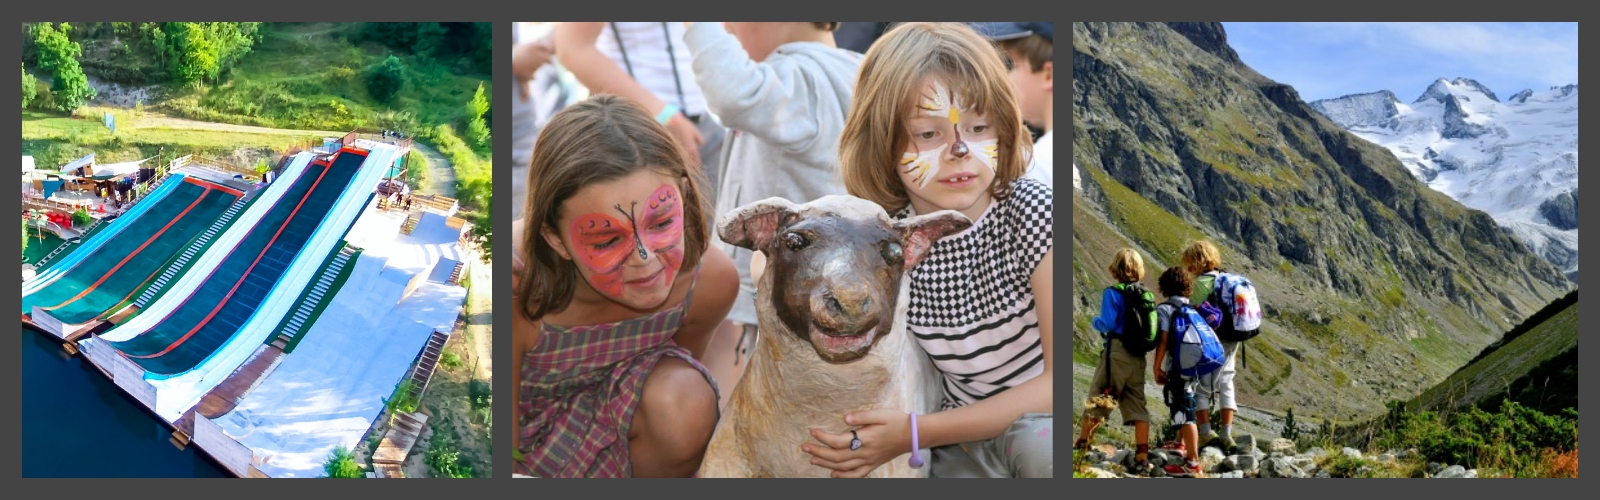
(1195, 346)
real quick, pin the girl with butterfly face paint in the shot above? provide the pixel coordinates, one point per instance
(617, 293)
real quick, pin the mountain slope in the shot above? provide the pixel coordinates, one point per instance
(1535, 364)
(1374, 285)
(1515, 159)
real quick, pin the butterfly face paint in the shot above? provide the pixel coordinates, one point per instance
(604, 243)
(924, 166)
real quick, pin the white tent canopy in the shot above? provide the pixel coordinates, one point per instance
(27, 164)
(118, 168)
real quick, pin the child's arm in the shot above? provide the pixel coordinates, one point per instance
(886, 434)
(715, 291)
(576, 51)
(1110, 310)
(574, 44)
(770, 101)
(1161, 354)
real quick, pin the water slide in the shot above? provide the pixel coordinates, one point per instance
(116, 226)
(177, 392)
(239, 286)
(105, 277)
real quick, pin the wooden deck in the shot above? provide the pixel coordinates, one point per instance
(397, 443)
(227, 394)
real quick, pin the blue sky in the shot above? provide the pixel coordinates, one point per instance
(1326, 60)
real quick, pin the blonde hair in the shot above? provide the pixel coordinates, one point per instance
(1127, 266)
(1201, 256)
(886, 91)
(599, 139)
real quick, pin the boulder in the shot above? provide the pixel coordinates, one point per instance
(1316, 453)
(1453, 472)
(1246, 439)
(1282, 445)
(1434, 468)
(1386, 458)
(1351, 452)
(1471, 474)
(1123, 457)
(1280, 468)
(1245, 463)
(1322, 474)
(1211, 452)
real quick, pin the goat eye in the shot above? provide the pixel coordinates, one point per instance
(892, 254)
(794, 241)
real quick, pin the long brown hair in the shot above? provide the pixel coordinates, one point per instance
(600, 139)
(889, 84)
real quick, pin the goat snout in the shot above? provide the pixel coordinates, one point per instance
(845, 310)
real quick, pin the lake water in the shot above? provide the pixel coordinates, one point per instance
(77, 423)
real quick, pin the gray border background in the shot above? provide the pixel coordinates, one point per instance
(466, 10)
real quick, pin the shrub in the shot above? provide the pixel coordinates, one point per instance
(341, 464)
(1474, 437)
(80, 217)
(403, 400)
(450, 361)
(384, 80)
(30, 87)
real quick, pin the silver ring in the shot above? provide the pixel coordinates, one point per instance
(855, 441)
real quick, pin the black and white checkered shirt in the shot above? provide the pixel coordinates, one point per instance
(972, 306)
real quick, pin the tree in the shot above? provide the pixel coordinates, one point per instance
(477, 128)
(384, 80)
(71, 87)
(430, 39)
(58, 55)
(30, 87)
(24, 234)
(341, 464)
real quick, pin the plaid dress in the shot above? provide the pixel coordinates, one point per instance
(580, 387)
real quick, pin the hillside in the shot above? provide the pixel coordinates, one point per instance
(1375, 286)
(1535, 365)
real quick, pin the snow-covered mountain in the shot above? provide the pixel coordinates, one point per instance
(1516, 159)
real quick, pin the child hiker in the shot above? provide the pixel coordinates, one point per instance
(1120, 376)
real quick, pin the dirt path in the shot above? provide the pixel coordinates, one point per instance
(479, 317)
(441, 175)
(159, 120)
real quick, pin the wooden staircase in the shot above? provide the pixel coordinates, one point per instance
(308, 304)
(426, 362)
(411, 222)
(190, 253)
(455, 275)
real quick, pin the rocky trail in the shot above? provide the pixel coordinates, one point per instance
(1278, 458)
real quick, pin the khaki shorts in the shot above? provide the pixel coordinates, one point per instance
(1125, 381)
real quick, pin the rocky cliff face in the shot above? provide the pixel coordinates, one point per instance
(1375, 285)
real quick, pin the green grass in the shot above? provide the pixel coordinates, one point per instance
(1156, 229)
(290, 79)
(1497, 371)
(55, 139)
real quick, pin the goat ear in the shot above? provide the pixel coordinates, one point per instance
(755, 226)
(918, 234)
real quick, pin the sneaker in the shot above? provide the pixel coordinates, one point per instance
(1210, 439)
(1193, 471)
(1227, 444)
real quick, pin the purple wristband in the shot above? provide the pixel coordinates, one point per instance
(916, 453)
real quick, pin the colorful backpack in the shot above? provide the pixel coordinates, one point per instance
(1195, 346)
(1139, 333)
(1241, 307)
